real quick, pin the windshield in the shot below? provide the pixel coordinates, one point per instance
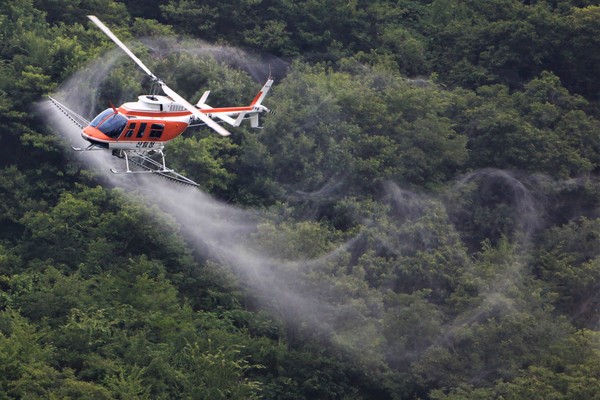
(110, 123)
(100, 117)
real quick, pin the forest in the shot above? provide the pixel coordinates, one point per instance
(420, 218)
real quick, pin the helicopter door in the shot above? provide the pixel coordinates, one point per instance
(128, 132)
(142, 130)
(156, 131)
(134, 128)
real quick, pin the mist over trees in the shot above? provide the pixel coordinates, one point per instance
(419, 219)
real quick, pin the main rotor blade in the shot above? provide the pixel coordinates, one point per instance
(115, 39)
(203, 117)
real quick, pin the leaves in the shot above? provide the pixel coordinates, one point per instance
(427, 193)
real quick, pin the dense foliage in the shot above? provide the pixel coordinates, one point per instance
(425, 203)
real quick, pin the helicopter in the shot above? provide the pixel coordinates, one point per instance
(138, 131)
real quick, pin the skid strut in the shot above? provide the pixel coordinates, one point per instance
(149, 165)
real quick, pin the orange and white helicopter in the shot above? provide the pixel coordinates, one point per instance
(138, 130)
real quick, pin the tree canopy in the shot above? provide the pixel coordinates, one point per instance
(418, 220)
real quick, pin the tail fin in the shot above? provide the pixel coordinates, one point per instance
(263, 93)
(256, 105)
(203, 99)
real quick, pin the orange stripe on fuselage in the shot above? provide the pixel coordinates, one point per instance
(166, 114)
(226, 110)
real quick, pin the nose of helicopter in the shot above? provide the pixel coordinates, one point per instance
(88, 132)
(94, 135)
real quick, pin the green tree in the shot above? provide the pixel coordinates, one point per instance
(566, 381)
(569, 262)
(28, 365)
(525, 129)
(577, 59)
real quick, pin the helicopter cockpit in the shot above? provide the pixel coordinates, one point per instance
(109, 122)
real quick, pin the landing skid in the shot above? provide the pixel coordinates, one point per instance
(89, 148)
(149, 165)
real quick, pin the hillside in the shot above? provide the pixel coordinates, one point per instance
(420, 218)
